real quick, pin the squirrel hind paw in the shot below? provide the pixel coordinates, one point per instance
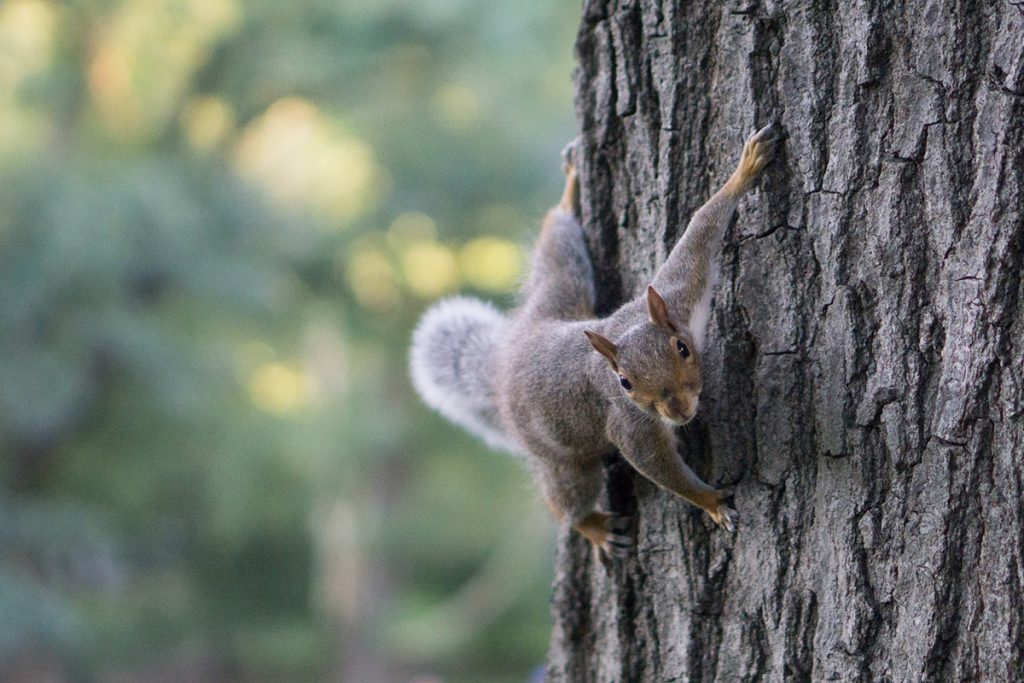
(613, 539)
(617, 545)
(569, 155)
(620, 524)
(618, 540)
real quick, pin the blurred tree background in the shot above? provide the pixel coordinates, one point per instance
(219, 221)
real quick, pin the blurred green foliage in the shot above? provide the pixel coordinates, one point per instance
(218, 223)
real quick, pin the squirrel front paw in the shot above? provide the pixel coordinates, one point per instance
(722, 514)
(725, 517)
(757, 152)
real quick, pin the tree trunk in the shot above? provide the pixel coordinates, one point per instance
(864, 384)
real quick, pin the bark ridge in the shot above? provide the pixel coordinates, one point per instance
(864, 378)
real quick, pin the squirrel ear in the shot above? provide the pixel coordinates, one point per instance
(604, 346)
(658, 309)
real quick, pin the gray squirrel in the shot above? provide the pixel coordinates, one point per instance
(530, 383)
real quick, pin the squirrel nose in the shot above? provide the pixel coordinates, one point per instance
(675, 405)
(682, 408)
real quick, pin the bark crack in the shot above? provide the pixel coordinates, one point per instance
(870, 307)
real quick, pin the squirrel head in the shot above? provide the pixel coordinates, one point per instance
(656, 364)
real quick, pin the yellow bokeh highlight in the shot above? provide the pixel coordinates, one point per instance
(430, 269)
(457, 107)
(301, 158)
(26, 39)
(206, 122)
(279, 388)
(371, 277)
(28, 35)
(144, 56)
(409, 227)
(491, 263)
(110, 83)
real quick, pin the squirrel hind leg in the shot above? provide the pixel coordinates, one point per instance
(571, 492)
(570, 201)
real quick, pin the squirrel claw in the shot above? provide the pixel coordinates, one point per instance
(722, 514)
(763, 134)
(617, 541)
(617, 545)
(619, 524)
(726, 517)
(768, 134)
(569, 155)
(609, 534)
(758, 150)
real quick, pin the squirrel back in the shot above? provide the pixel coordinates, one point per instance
(452, 365)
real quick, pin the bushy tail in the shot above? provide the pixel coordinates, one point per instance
(452, 364)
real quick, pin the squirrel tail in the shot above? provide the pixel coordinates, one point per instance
(451, 363)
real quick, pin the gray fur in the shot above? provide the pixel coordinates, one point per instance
(560, 284)
(533, 380)
(452, 365)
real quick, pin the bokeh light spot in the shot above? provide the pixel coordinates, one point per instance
(457, 107)
(491, 263)
(430, 269)
(144, 56)
(300, 157)
(278, 388)
(206, 122)
(411, 226)
(371, 278)
(26, 39)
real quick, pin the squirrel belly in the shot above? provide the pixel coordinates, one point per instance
(452, 365)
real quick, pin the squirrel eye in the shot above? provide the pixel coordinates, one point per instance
(684, 351)
(626, 384)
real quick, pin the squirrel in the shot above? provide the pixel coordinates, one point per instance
(530, 383)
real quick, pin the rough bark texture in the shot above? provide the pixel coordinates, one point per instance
(864, 377)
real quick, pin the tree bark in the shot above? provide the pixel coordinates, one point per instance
(864, 382)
